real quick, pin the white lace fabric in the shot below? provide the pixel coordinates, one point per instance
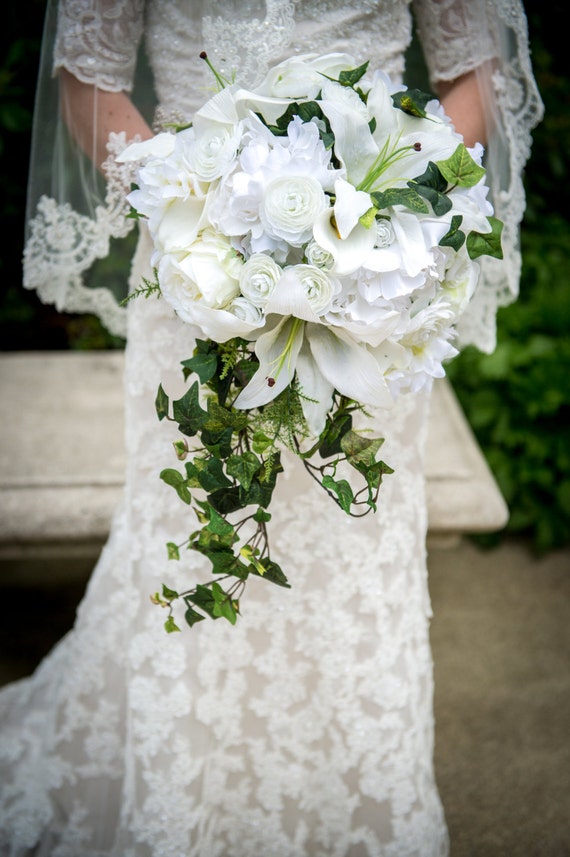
(307, 732)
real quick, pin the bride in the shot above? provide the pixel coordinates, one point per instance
(309, 732)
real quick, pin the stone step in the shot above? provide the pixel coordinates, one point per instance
(62, 460)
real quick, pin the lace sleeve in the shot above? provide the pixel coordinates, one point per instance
(74, 216)
(459, 36)
(97, 42)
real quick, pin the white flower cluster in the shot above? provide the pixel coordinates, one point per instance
(270, 230)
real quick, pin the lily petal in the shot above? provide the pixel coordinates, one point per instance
(316, 387)
(347, 253)
(350, 205)
(349, 366)
(277, 352)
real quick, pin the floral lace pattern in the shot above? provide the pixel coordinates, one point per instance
(312, 734)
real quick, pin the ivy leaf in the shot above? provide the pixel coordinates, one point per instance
(273, 572)
(203, 364)
(406, 196)
(224, 606)
(334, 431)
(243, 468)
(173, 553)
(211, 476)
(342, 489)
(412, 102)
(192, 616)
(454, 237)
(220, 418)
(460, 169)
(161, 403)
(351, 76)
(432, 186)
(169, 594)
(361, 450)
(188, 412)
(202, 597)
(486, 243)
(261, 516)
(170, 625)
(177, 481)
(219, 444)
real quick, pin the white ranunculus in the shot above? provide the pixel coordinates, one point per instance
(215, 267)
(245, 310)
(318, 286)
(318, 256)
(290, 206)
(258, 278)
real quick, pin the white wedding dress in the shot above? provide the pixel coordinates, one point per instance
(307, 729)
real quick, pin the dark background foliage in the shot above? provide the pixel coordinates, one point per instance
(517, 400)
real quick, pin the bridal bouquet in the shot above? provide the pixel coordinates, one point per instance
(320, 233)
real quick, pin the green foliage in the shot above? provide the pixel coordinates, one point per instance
(517, 399)
(229, 481)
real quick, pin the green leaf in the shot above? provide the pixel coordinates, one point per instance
(243, 468)
(170, 625)
(352, 76)
(181, 449)
(454, 237)
(191, 616)
(460, 169)
(224, 606)
(405, 196)
(161, 403)
(273, 573)
(342, 489)
(173, 553)
(212, 477)
(220, 418)
(335, 429)
(486, 243)
(169, 594)
(412, 102)
(261, 516)
(177, 481)
(202, 597)
(188, 412)
(260, 442)
(360, 449)
(219, 444)
(204, 365)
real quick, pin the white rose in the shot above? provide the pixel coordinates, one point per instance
(319, 288)
(258, 277)
(177, 287)
(290, 206)
(214, 266)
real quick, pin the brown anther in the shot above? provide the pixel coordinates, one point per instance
(271, 382)
(418, 147)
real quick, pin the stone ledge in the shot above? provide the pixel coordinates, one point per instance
(62, 460)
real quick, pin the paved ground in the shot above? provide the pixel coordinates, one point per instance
(501, 644)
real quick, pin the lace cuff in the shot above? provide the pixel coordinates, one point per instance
(97, 41)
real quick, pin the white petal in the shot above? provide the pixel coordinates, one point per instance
(159, 146)
(316, 387)
(269, 348)
(347, 253)
(349, 366)
(350, 205)
(289, 298)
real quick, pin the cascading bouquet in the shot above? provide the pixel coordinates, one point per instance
(321, 232)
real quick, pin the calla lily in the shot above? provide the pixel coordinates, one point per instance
(350, 205)
(348, 252)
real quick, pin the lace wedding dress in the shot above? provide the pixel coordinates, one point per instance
(306, 729)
